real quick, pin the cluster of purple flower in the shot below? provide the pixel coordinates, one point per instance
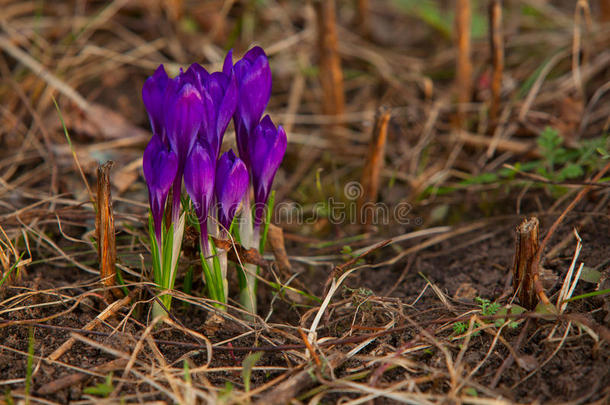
(189, 115)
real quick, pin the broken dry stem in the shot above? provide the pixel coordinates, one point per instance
(525, 267)
(496, 41)
(107, 313)
(463, 76)
(331, 75)
(371, 174)
(104, 226)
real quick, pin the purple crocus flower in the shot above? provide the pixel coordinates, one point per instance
(183, 115)
(199, 174)
(253, 76)
(220, 99)
(266, 149)
(219, 94)
(153, 95)
(196, 75)
(160, 166)
(231, 186)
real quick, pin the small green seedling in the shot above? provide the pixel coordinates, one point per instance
(488, 308)
(471, 392)
(8, 397)
(557, 165)
(225, 394)
(247, 366)
(187, 372)
(102, 389)
(349, 254)
(29, 366)
(460, 328)
(514, 310)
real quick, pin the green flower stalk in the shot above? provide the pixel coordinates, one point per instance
(262, 147)
(189, 115)
(175, 109)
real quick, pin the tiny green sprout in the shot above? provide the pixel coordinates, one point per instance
(365, 292)
(558, 164)
(487, 308)
(319, 181)
(102, 389)
(471, 392)
(8, 397)
(187, 371)
(347, 251)
(225, 393)
(514, 310)
(29, 366)
(459, 328)
(247, 366)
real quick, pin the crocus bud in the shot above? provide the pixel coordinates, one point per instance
(183, 115)
(199, 173)
(160, 166)
(266, 149)
(230, 187)
(221, 90)
(219, 96)
(227, 65)
(195, 75)
(253, 76)
(153, 95)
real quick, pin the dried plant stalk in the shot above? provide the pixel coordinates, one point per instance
(525, 266)
(582, 20)
(362, 17)
(104, 225)
(604, 8)
(276, 240)
(496, 41)
(331, 76)
(374, 164)
(299, 382)
(463, 76)
(75, 378)
(107, 313)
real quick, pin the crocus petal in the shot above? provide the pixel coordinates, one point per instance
(230, 187)
(195, 75)
(199, 173)
(153, 95)
(226, 108)
(241, 137)
(228, 63)
(207, 134)
(254, 79)
(160, 167)
(266, 149)
(253, 76)
(216, 84)
(183, 118)
(219, 94)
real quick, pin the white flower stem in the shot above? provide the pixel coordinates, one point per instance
(250, 238)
